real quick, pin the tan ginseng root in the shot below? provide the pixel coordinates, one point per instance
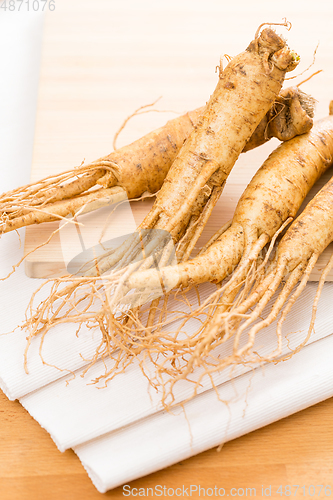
(296, 256)
(137, 168)
(274, 195)
(246, 91)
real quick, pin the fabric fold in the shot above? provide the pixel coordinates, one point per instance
(254, 400)
(76, 411)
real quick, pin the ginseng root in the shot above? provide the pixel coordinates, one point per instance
(246, 91)
(297, 254)
(229, 316)
(139, 167)
(274, 195)
(272, 198)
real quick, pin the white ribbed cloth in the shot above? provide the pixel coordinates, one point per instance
(77, 411)
(164, 439)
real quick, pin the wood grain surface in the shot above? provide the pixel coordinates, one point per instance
(101, 60)
(297, 450)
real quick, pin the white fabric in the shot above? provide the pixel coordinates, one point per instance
(164, 439)
(21, 39)
(62, 348)
(141, 442)
(76, 411)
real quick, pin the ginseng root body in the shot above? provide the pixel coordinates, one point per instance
(296, 256)
(238, 310)
(140, 167)
(275, 193)
(272, 198)
(245, 92)
(286, 275)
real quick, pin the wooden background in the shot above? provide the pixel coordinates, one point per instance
(295, 450)
(101, 60)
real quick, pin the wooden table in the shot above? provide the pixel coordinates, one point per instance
(295, 450)
(102, 60)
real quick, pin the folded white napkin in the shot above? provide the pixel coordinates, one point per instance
(63, 348)
(160, 440)
(77, 411)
